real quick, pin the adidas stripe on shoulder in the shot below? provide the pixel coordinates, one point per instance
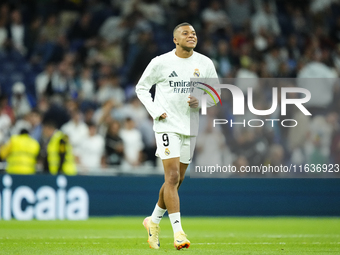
(173, 74)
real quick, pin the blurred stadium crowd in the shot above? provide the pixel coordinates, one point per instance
(76, 62)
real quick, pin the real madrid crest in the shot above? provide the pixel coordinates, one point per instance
(197, 73)
(167, 152)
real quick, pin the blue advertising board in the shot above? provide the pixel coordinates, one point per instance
(46, 197)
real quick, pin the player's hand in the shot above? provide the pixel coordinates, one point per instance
(193, 102)
(163, 116)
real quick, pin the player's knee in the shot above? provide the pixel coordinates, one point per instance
(172, 178)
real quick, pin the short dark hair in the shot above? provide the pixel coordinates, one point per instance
(181, 25)
(49, 123)
(24, 131)
(91, 124)
(36, 111)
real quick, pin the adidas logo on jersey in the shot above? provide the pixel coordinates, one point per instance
(173, 74)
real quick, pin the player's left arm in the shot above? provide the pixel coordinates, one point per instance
(211, 79)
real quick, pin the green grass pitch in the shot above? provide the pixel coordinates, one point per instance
(126, 235)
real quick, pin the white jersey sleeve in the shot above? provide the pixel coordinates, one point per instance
(149, 78)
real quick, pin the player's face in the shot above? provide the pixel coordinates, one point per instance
(186, 37)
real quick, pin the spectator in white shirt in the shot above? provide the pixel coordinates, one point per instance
(109, 88)
(265, 20)
(134, 110)
(62, 78)
(5, 121)
(86, 84)
(117, 24)
(153, 11)
(91, 150)
(105, 90)
(118, 93)
(320, 81)
(76, 129)
(215, 17)
(43, 81)
(17, 31)
(55, 80)
(20, 101)
(133, 144)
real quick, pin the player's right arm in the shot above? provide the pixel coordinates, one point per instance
(150, 77)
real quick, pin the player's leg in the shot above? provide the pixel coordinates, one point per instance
(168, 199)
(187, 148)
(168, 147)
(171, 182)
(180, 238)
(182, 169)
(160, 208)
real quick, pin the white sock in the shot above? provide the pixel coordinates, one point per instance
(175, 219)
(157, 214)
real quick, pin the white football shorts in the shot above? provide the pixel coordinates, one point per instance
(174, 145)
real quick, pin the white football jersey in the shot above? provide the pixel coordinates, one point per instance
(172, 75)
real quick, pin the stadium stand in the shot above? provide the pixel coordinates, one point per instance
(87, 55)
